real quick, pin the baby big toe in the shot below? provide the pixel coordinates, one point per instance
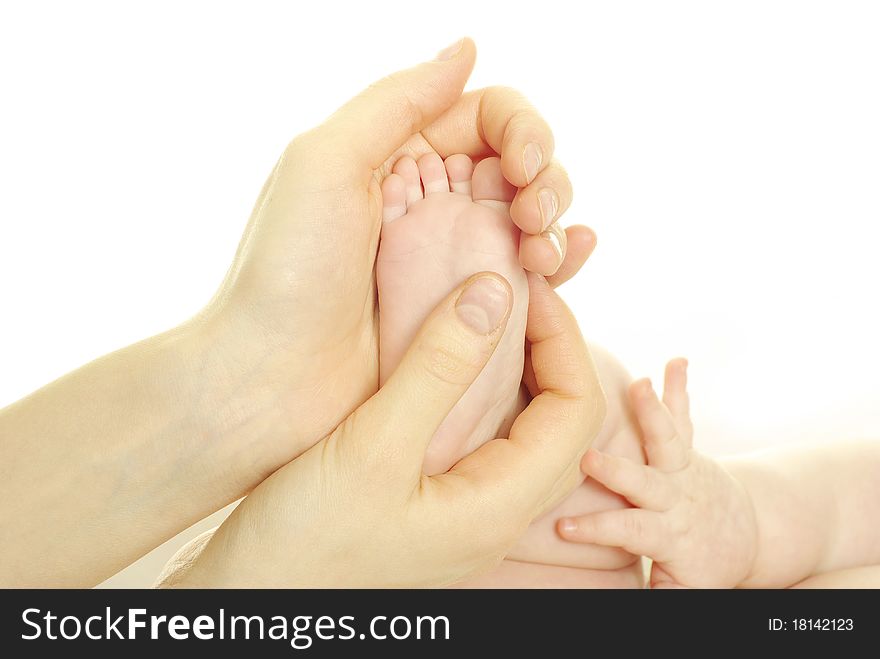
(489, 186)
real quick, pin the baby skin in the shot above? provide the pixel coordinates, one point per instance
(442, 223)
(799, 516)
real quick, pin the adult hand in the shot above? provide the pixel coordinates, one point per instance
(356, 510)
(142, 443)
(303, 277)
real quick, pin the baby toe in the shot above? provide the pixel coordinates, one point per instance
(433, 174)
(409, 170)
(460, 169)
(489, 184)
(393, 197)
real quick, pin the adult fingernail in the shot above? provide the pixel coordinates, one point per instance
(549, 206)
(483, 305)
(552, 236)
(533, 156)
(450, 51)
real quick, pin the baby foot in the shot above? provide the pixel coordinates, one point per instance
(442, 223)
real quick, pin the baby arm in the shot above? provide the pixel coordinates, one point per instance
(769, 520)
(854, 577)
(817, 508)
(691, 517)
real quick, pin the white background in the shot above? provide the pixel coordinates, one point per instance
(727, 154)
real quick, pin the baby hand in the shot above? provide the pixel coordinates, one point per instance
(691, 517)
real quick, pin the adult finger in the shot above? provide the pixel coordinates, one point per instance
(525, 474)
(447, 355)
(496, 120)
(365, 131)
(581, 243)
(544, 253)
(539, 204)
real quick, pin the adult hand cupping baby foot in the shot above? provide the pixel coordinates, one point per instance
(285, 351)
(356, 510)
(298, 309)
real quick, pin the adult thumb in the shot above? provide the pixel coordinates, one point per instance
(447, 355)
(374, 124)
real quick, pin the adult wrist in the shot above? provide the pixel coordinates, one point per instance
(230, 387)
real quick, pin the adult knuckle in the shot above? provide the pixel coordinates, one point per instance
(509, 105)
(302, 146)
(562, 174)
(350, 457)
(343, 453)
(409, 104)
(449, 361)
(511, 98)
(319, 150)
(563, 185)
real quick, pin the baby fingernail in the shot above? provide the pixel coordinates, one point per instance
(549, 206)
(533, 156)
(567, 525)
(450, 51)
(483, 305)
